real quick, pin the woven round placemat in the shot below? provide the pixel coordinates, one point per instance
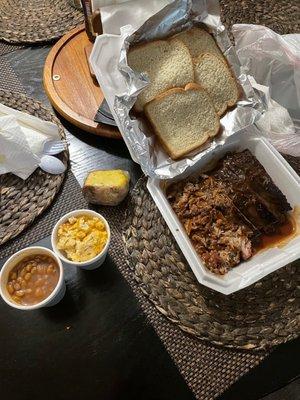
(280, 15)
(259, 317)
(22, 201)
(36, 21)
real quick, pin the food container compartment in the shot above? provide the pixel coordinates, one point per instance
(265, 261)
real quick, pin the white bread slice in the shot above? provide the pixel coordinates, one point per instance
(167, 63)
(199, 41)
(183, 119)
(214, 75)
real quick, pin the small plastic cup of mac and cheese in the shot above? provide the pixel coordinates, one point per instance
(81, 238)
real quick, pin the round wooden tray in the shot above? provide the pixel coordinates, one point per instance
(70, 87)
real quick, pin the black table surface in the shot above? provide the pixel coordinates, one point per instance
(96, 343)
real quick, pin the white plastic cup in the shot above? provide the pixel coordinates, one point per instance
(54, 297)
(93, 263)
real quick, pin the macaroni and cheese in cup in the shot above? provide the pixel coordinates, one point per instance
(81, 238)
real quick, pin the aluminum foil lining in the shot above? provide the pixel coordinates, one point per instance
(141, 140)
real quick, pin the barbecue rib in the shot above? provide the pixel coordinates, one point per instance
(245, 198)
(248, 168)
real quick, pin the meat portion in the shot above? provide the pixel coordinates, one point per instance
(213, 223)
(225, 213)
(245, 198)
(245, 165)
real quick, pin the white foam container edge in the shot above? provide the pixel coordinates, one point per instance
(262, 263)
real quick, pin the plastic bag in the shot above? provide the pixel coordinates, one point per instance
(272, 63)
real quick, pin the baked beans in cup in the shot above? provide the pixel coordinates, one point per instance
(32, 278)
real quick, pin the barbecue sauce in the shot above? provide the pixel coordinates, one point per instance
(283, 234)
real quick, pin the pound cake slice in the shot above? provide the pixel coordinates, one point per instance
(167, 63)
(183, 119)
(214, 75)
(198, 41)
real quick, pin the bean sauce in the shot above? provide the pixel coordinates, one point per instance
(33, 279)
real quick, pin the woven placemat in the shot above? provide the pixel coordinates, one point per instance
(283, 16)
(261, 316)
(8, 78)
(23, 201)
(6, 48)
(36, 21)
(69, 198)
(293, 161)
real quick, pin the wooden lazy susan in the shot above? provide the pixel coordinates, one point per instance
(70, 86)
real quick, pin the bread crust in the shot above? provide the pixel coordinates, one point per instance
(137, 108)
(233, 79)
(175, 155)
(190, 32)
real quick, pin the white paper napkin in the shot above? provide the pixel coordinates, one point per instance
(15, 153)
(22, 139)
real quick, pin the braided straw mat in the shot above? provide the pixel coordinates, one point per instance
(22, 201)
(36, 21)
(6, 48)
(283, 16)
(258, 317)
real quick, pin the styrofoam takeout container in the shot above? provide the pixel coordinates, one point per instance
(264, 262)
(93, 263)
(54, 297)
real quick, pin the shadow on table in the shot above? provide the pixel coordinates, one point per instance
(82, 286)
(100, 279)
(66, 309)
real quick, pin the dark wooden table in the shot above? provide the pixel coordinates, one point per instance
(108, 351)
